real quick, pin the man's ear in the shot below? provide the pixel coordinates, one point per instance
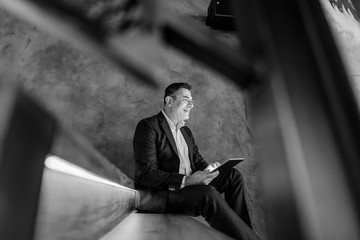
(169, 100)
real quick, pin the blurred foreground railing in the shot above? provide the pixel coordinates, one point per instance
(302, 106)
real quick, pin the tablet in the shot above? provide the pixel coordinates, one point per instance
(226, 166)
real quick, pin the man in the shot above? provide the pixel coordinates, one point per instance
(172, 176)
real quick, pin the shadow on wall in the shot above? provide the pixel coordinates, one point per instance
(105, 105)
(345, 5)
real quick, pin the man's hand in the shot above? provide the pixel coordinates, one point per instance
(201, 178)
(212, 166)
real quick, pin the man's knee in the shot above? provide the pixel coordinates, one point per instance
(236, 172)
(208, 193)
(197, 200)
(236, 175)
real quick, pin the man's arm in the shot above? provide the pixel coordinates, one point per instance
(200, 178)
(147, 172)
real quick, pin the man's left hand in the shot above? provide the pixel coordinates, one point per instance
(212, 166)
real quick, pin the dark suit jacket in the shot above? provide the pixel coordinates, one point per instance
(157, 161)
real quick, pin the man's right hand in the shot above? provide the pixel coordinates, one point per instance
(200, 178)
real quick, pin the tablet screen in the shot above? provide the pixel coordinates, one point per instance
(230, 163)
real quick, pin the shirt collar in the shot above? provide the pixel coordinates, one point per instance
(171, 124)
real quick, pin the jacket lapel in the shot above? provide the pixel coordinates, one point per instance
(166, 128)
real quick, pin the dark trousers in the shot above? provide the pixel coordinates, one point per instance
(229, 215)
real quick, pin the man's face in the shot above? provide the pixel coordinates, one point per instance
(182, 105)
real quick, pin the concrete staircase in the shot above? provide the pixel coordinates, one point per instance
(55, 185)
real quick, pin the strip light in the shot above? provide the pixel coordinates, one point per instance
(58, 164)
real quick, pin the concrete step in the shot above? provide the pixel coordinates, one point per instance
(145, 226)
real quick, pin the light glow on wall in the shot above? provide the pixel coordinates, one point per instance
(58, 164)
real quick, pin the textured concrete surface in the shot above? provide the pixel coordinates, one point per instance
(73, 208)
(104, 104)
(346, 29)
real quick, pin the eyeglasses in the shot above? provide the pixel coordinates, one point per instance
(189, 101)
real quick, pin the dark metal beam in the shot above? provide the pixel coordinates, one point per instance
(26, 136)
(249, 29)
(68, 21)
(308, 123)
(183, 35)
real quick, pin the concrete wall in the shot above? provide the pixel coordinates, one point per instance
(104, 104)
(345, 25)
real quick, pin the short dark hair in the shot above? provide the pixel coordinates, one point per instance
(172, 88)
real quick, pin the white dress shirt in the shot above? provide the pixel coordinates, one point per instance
(182, 147)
